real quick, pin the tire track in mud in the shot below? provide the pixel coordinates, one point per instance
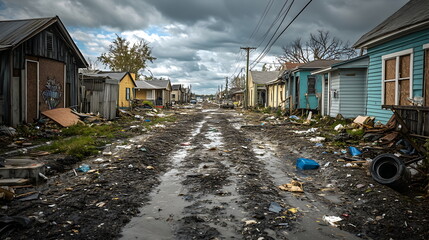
(218, 189)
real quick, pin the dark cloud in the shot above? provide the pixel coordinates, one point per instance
(198, 41)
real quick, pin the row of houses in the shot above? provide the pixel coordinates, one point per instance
(39, 70)
(393, 74)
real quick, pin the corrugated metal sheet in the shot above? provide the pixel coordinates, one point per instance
(13, 32)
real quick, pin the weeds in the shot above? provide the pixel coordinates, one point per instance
(79, 146)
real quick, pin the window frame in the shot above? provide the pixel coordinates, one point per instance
(396, 56)
(311, 77)
(127, 93)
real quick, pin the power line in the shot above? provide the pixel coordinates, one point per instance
(264, 14)
(268, 46)
(278, 36)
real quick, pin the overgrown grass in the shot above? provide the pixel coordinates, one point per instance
(79, 146)
(107, 131)
(159, 120)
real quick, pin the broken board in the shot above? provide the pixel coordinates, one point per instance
(62, 116)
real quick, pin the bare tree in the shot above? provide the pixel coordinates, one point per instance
(237, 82)
(320, 46)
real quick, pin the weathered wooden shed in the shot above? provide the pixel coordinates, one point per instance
(39, 64)
(100, 95)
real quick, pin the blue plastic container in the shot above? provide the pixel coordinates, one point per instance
(305, 164)
(354, 151)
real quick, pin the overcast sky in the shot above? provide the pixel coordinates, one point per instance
(198, 42)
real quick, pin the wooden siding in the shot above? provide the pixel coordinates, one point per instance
(125, 82)
(335, 87)
(414, 41)
(310, 101)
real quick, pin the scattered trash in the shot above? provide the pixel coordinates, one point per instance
(248, 222)
(10, 131)
(150, 167)
(317, 139)
(311, 130)
(364, 120)
(306, 164)
(293, 186)
(360, 185)
(63, 116)
(100, 204)
(213, 149)
(354, 151)
(332, 220)
(270, 118)
(339, 127)
(275, 207)
(293, 210)
(83, 168)
(143, 149)
(294, 117)
(147, 120)
(319, 145)
(185, 144)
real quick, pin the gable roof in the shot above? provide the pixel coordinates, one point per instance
(176, 86)
(318, 64)
(262, 77)
(412, 17)
(14, 32)
(113, 75)
(291, 65)
(153, 84)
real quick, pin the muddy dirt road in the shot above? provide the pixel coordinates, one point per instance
(221, 184)
(214, 174)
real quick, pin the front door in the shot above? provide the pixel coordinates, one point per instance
(32, 80)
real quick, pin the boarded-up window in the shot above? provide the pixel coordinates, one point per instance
(311, 85)
(397, 72)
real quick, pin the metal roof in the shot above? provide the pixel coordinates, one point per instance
(152, 84)
(262, 77)
(412, 17)
(15, 32)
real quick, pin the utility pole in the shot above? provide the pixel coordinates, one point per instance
(226, 88)
(246, 90)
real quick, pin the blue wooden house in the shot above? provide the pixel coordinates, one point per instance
(304, 89)
(398, 51)
(344, 87)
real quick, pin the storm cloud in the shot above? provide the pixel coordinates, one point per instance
(197, 42)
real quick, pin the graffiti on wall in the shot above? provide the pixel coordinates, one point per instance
(52, 93)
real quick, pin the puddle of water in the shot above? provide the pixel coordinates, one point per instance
(156, 219)
(313, 211)
(215, 137)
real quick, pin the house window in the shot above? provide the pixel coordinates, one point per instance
(128, 93)
(397, 78)
(311, 84)
(149, 94)
(49, 43)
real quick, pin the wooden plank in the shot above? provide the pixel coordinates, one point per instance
(404, 92)
(390, 72)
(62, 116)
(389, 98)
(404, 66)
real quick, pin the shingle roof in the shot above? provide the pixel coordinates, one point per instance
(176, 86)
(262, 77)
(153, 84)
(15, 32)
(412, 17)
(318, 64)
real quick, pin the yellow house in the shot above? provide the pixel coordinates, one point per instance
(156, 91)
(276, 93)
(257, 92)
(126, 86)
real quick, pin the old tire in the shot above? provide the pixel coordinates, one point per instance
(390, 170)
